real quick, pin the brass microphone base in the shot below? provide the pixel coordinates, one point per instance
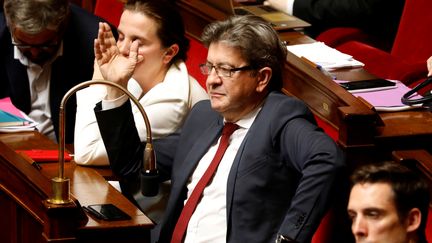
(60, 191)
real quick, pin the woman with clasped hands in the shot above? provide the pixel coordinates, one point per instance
(148, 60)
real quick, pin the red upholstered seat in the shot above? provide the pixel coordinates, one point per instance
(197, 54)
(407, 59)
(338, 35)
(110, 10)
(429, 226)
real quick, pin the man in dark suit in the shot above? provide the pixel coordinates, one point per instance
(273, 183)
(46, 48)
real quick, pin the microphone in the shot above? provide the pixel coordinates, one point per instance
(426, 100)
(149, 173)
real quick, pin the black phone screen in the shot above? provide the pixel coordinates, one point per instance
(367, 84)
(107, 212)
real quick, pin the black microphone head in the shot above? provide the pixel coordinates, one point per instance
(149, 183)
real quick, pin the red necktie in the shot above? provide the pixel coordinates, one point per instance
(192, 202)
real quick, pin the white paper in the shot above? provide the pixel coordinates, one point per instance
(324, 56)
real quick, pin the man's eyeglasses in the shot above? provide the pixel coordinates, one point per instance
(44, 47)
(222, 72)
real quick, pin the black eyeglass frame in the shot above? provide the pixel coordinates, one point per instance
(44, 47)
(206, 69)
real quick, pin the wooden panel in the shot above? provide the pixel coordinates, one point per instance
(24, 190)
(354, 119)
(196, 15)
(420, 159)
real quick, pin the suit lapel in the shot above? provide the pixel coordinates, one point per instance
(232, 177)
(199, 148)
(19, 85)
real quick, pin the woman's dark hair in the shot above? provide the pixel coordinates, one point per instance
(170, 23)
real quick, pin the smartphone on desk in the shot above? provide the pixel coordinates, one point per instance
(106, 212)
(368, 85)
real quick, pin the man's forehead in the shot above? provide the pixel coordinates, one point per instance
(223, 53)
(372, 195)
(41, 37)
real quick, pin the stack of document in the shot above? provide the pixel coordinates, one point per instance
(12, 119)
(324, 56)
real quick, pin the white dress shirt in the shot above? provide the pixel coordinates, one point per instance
(39, 83)
(166, 105)
(208, 222)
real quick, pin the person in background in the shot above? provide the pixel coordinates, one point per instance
(275, 180)
(388, 203)
(429, 66)
(149, 60)
(377, 17)
(46, 48)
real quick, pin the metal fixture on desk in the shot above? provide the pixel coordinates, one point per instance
(149, 174)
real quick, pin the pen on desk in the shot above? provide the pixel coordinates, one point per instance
(30, 160)
(36, 164)
(327, 73)
(319, 67)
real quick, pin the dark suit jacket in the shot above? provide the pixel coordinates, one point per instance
(379, 17)
(280, 180)
(73, 67)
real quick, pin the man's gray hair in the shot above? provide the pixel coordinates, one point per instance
(256, 39)
(34, 16)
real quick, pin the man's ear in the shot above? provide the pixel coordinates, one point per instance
(264, 75)
(170, 53)
(413, 220)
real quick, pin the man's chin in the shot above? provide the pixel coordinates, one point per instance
(40, 59)
(216, 106)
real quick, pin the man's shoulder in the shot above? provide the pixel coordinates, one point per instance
(275, 98)
(76, 10)
(82, 19)
(202, 113)
(2, 24)
(83, 23)
(203, 107)
(279, 107)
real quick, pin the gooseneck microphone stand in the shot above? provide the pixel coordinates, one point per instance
(149, 173)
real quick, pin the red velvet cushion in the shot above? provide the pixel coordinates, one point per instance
(413, 39)
(429, 226)
(336, 36)
(325, 229)
(197, 54)
(328, 129)
(110, 10)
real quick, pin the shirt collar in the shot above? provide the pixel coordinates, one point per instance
(247, 120)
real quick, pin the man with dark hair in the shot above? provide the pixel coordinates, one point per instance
(388, 203)
(250, 165)
(46, 48)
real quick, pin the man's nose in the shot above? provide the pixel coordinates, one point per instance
(359, 227)
(213, 77)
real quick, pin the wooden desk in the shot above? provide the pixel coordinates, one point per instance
(364, 134)
(27, 217)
